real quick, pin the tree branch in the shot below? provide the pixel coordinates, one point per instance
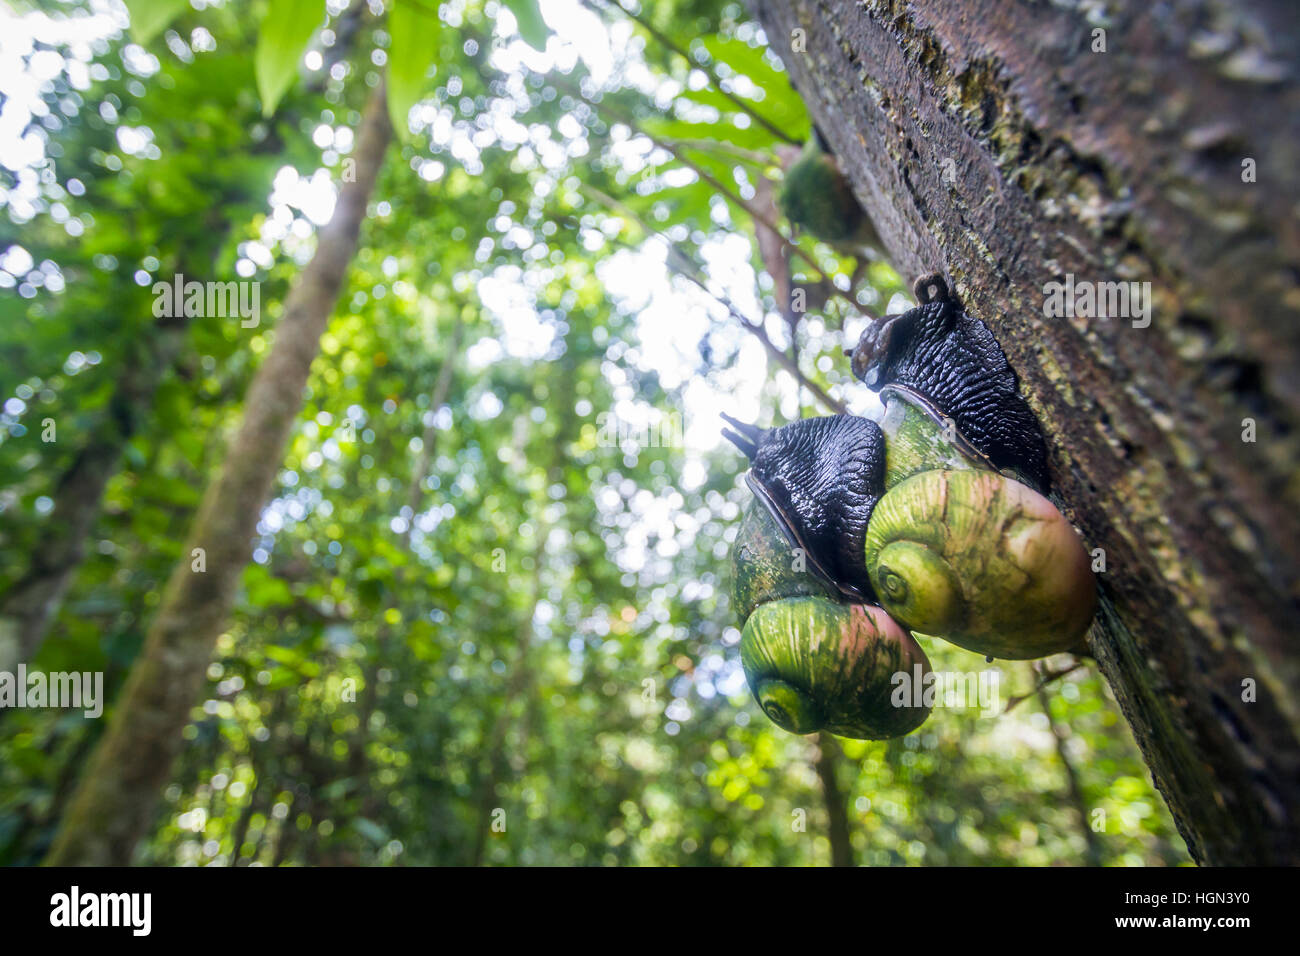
(681, 264)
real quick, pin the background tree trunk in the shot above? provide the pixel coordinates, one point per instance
(28, 608)
(994, 141)
(115, 801)
(837, 813)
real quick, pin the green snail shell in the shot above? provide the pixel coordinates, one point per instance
(980, 560)
(816, 196)
(766, 567)
(917, 440)
(815, 664)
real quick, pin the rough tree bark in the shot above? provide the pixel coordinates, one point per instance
(988, 140)
(115, 801)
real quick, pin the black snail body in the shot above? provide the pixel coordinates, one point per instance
(949, 360)
(822, 477)
(930, 520)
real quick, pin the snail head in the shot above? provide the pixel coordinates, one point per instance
(949, 361)
(820, 478)
(894, 348)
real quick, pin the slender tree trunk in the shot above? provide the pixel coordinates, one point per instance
(116, 799)
(239, 833)
(358, 766)
(995, 141)
(519, 685)
(258, 794)
(286, 837)
(429, 442)
(837, 812)
(29, 606)
(1074, 788)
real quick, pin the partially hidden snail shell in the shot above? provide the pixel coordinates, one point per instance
(814, 664)
(813, 660)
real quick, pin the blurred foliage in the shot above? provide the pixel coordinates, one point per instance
(546, 639)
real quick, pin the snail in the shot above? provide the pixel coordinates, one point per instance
(910, 521)
(816, 197)
(812, 660)
(931, 520)
(815, 664)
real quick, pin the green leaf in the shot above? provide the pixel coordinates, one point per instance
(150, 17)
(283, 677)
(746, 59)
(416, 31)
(265, 590)
(531, 25)
(286, 30)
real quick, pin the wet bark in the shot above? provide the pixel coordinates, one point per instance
(994, 140)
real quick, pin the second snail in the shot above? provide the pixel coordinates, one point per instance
(932, 521)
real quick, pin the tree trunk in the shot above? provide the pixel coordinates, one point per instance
(358, 766)
(115, 801)
(29, 606)
(837, 814)
(518, 689)
(988, 140)
(1074, 788)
